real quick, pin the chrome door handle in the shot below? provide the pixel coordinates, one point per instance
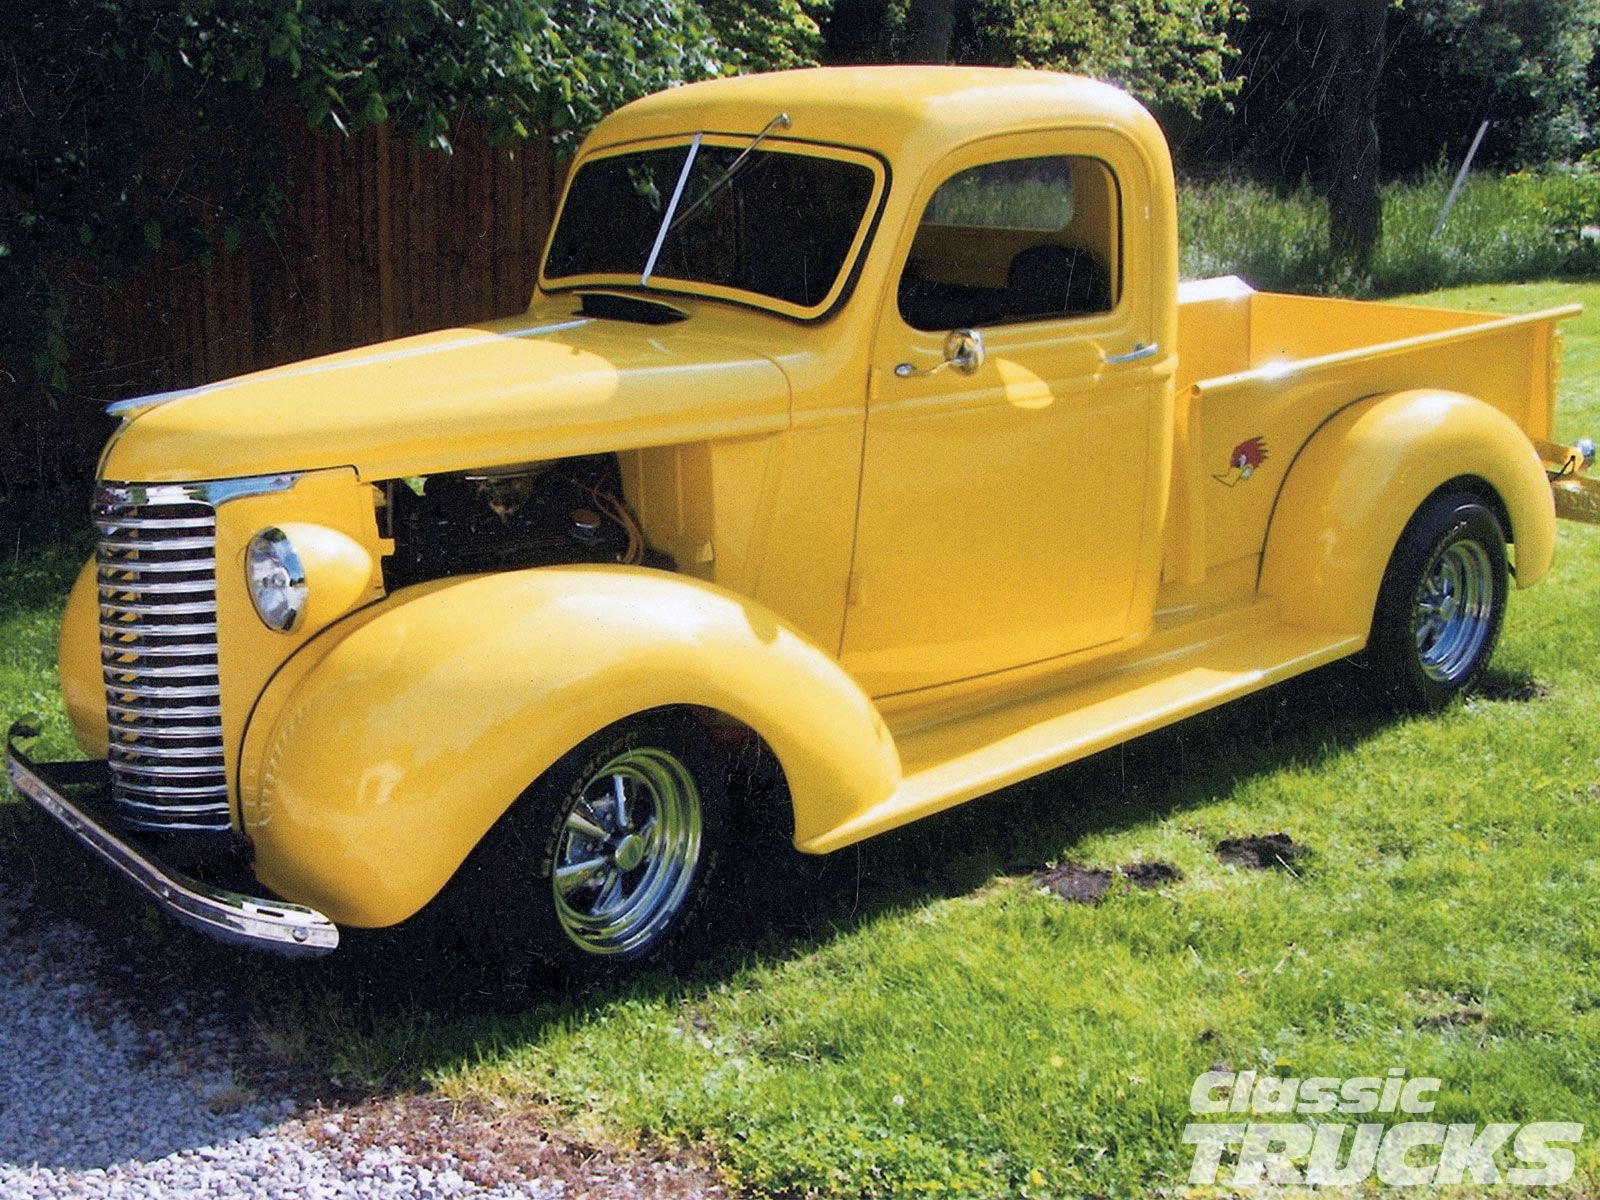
(1140, 350)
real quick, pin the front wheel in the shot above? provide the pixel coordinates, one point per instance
(1442, 602)
(603, 864)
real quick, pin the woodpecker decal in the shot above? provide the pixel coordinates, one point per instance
(1244, 460)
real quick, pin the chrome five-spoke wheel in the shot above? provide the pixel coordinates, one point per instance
(1455, 610)
(626, 852)
(605, 864)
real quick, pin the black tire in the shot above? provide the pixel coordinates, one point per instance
(1442, 603)
(577, 887)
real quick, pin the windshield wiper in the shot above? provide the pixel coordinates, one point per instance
(672, 207)
(781, 121)
(672, 219)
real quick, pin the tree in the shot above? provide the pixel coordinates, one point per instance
(1355, 209)
(1523, 63)
(1530, 66)
(930, 27)
(1173, 54)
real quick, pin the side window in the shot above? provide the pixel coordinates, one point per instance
(1027, 239)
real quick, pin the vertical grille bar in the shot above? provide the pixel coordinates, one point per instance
(158, 649)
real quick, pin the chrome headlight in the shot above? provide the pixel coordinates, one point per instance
(277, 579)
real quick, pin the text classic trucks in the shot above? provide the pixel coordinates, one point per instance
(858, 418)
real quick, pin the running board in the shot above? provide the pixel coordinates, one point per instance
(954, 761)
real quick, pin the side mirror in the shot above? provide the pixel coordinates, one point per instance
(963, 353)
(963, 350)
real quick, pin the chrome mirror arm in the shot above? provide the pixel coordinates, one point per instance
(963, 353)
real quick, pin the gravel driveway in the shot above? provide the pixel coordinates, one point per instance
(95, 1102)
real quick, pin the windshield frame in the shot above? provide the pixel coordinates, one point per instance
(849, 270)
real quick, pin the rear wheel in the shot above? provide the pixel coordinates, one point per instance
(1442, 602)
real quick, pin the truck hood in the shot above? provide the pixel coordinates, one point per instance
(504, 392)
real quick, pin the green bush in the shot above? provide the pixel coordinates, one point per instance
(1565, 196)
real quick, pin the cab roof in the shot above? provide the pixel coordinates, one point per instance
(895, 111)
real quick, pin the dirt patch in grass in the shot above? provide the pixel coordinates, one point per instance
(507, 1148)
(1088, 885)
(1455, 1018)
(1512, 690)
(1447, 1010)
(1075, 882)
(1150, 874)
(1259, 851)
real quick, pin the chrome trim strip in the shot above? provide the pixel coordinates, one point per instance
(167, 543)
(132, 672)
(112, 588)
(117, 653)
(672, 207)
(121, 691)
(164, 808)
(192, 608)
(118, 570)
(170, 772)
(153, 522)
(179, 733)
(212, 491)
(289, 929)
(120, 629)
(135, 405)
(137, 753)
(185, 711)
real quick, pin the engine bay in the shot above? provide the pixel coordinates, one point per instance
(534, 515)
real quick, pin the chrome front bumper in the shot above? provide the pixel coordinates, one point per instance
(226, 916)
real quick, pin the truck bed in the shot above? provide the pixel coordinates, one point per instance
(1258, 372)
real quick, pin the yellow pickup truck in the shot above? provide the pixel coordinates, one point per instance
(858, 421)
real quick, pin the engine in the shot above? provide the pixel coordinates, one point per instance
(543, 514)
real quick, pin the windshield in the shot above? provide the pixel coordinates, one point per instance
(781, 226)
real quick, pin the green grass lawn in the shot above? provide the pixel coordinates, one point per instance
(914, 1017)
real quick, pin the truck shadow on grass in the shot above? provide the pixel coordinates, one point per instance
(393, 1005)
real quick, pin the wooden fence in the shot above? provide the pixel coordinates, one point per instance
(379, 238)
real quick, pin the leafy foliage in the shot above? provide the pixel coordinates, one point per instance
(553, 67)
(1524, 63)
(772, 36)
(1172, 54)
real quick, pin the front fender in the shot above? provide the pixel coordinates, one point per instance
(1359, 479)
(382, 754)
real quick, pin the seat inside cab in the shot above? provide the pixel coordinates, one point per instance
(1019, 240)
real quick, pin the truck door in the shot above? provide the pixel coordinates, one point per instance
(1003, 501)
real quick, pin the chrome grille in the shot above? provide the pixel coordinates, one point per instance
(158, 651)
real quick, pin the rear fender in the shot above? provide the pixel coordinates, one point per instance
(382, 754)
(1359, 479)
